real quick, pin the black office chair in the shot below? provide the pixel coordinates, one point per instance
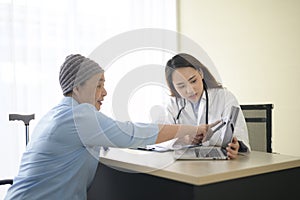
(259, 123)
(26, 119)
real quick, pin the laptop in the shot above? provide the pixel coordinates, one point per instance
(211, 152)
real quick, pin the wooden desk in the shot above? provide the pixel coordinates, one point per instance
(131, 174)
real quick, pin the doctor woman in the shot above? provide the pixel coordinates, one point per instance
(197, 98)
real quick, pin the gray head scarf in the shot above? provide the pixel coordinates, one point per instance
(76, 70)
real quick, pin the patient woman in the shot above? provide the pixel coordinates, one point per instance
(62, 155)
(197, 98)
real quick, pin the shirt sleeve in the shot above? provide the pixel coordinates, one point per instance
(95, 128)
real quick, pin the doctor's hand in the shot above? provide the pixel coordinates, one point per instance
(194, 138)
(204, 132)
(233, 148)
(210, 132)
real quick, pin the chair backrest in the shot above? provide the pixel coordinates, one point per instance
(259, 123)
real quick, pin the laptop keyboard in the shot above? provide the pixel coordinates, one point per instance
(207, 152)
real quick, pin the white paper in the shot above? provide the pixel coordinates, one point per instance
(168, 146)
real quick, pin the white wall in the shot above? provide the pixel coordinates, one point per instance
(255, 45)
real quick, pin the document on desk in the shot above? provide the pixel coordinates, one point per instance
(161, 147)
(166, 146)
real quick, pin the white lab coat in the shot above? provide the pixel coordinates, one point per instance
(220, 102)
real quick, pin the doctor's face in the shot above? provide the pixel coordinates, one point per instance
(188, 83)
(91, 91)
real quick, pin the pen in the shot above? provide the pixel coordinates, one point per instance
(145, 149)
(219, 127)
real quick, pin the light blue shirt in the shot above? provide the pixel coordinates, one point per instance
(62, 155)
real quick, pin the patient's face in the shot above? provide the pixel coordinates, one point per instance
(188, 83)
(92, 91)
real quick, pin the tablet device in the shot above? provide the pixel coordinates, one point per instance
(212, 152)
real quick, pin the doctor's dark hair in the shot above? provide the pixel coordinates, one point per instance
(185, 60)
